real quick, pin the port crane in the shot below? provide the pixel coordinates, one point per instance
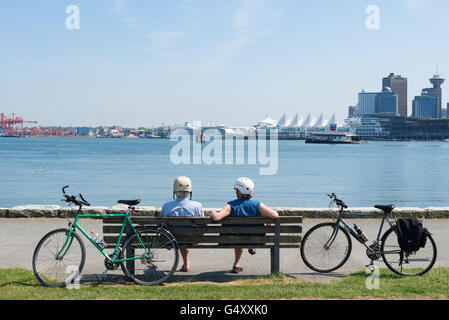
(13, 127)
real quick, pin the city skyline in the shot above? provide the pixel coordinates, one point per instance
(141, 63)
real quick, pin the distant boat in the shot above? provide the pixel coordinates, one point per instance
(333, 137)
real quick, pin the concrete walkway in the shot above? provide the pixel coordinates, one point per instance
(19, 237)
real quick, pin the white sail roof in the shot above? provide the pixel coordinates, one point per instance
(312, 122)
(296, 122)
(284, 121)
(306, 122)
(321, 122)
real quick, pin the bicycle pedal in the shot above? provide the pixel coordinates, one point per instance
(371, 267)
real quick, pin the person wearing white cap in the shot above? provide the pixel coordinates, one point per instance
(243, 206)
(182, 206)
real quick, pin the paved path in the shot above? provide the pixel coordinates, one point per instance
(19, 237)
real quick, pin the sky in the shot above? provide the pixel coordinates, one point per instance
(142, 63)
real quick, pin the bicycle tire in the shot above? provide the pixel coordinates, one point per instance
(308, 250)
(156, 265)
(428, 253)
(49, 270)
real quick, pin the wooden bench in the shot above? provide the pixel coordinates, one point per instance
(231, 232)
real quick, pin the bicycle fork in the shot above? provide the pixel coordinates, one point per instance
(66, 246)
(333, 236)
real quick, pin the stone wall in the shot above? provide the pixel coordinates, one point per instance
(40, 211)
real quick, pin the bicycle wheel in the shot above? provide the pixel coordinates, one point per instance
(152, 254)
(58, 260)
(407, 264)
(326, 247)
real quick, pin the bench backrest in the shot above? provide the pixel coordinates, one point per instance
(258, 232)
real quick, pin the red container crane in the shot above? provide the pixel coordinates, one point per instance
(12, 127)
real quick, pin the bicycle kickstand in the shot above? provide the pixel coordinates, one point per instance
(371, 265)
(103, 276)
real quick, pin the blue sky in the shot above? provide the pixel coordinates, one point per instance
(141, 63)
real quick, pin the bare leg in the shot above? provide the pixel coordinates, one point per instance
(238, 254)
(185, 253)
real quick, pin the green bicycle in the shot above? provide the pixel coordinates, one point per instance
(60, 255)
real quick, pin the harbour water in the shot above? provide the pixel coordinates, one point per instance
(408, 174)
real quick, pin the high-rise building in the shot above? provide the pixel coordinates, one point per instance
(425, 105)
(367, 102)
(353, 112)
(398, 85)
(387, 102)
(437, 81)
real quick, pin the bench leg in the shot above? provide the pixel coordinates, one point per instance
(275, 257)
(274, 260)
(129, 251)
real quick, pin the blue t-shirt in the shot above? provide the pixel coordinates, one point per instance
(182, 208)
(244, 208)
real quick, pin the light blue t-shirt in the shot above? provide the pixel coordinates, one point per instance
(182, 208)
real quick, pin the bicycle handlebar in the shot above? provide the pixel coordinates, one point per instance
(339, 202)
(84, 200)
(73, 199)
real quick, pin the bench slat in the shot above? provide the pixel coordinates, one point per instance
(206, 220)
(232, 246)
(108, 229)
(220, 239)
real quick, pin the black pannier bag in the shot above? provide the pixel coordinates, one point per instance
(411, 234)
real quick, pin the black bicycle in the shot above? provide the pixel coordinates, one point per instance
(327, 246)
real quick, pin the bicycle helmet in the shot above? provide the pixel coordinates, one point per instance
(182, 184)
(244, 185)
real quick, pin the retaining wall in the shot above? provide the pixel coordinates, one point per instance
(44, 211)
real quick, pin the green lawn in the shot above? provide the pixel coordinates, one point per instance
(21, 284)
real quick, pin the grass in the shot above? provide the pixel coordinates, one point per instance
(21, 284)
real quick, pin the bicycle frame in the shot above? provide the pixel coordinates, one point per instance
(76, 225)
(354, 234)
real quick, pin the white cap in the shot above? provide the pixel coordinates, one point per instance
(244, 185)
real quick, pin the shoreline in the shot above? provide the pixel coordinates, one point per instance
(166, 138)
(55, 211)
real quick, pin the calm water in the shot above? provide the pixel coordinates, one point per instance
(33, 170)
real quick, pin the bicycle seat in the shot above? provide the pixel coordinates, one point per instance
(130, 202)
(385, 208)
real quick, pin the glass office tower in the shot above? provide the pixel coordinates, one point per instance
(425, 106)
(398, 85)
(387, 102)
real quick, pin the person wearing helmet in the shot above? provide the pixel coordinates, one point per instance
(243, 206)
(183, 206)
